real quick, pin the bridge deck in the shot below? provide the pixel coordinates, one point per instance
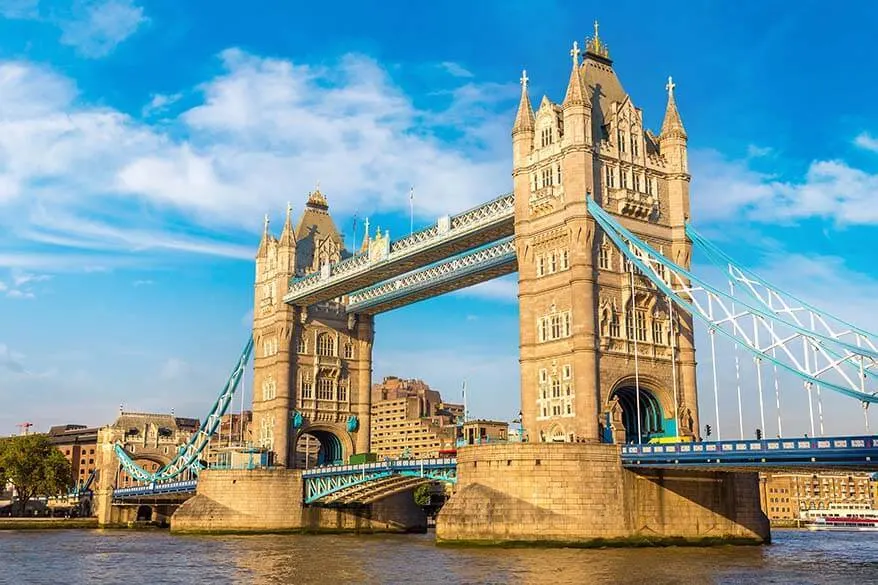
(468, 269)
(476, 227)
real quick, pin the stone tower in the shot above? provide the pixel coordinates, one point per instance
(596, 342)
(313, 365)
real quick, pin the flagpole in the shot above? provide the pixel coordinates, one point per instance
(465, 410)
(412, 210)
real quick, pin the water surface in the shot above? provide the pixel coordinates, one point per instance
(156, 557)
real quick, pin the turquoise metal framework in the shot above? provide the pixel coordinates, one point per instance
(803, 349)
(188, 456)
(362, 484)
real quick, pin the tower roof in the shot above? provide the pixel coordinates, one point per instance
(596, 47)
(524, 120)
(672, 124)
(576, 92)
(315, 226)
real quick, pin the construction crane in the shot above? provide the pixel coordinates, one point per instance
(24, 428)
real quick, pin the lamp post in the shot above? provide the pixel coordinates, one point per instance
(520, 426)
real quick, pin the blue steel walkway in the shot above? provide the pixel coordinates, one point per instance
(847, 453)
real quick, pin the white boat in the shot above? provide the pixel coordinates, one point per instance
(843, 517)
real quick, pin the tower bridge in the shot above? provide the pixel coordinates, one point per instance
(598, 230)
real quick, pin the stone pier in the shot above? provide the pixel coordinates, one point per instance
(270, 500)
(580, 495)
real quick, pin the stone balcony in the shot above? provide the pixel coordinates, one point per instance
(545, 199)
(631, 203)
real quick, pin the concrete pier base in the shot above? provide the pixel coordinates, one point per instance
(270, 500)
(580, 495)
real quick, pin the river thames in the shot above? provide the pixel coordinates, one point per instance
(157, 557)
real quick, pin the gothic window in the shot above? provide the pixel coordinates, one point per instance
(541, 265)
(269, 389)
(343, 390)
(610, 176)
(324, 388)
(658, 332)
(348, 351)
(637, 182)
(266, 433)
(650, 186)
(620, 136)
(635, 144)
(640, 325)
(556, 388)
(303, 346)
(615, 329)
(326, 345)
(542, 329)
(604, 258)
(307, 386)
(565, 260)
(534, 182)
(553, 263)
(623, 175)
(269, 347)
(554, 326)
(547, 176)
(559, 173)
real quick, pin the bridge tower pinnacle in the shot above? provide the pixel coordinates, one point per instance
(583, 313)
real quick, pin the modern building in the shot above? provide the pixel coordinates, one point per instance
(483, 432)
(785, 495)
(410, 419)
(78, 444)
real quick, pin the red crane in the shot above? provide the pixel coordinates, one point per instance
(24, 427)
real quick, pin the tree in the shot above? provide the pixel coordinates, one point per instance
(422, 494)
(33, 466)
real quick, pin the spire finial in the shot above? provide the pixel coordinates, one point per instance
(524, 79)
(670, 86)
(289, 210)
(574, 52)
(367, 228)
(595, 46)
(318, 186)
(265, 226)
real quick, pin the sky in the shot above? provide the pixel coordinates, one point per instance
(141, 144)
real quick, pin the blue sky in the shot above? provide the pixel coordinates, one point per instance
(141, 143)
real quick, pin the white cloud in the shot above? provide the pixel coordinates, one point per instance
(98, 26)
(20, 294)
(754, 151)
(99, 181)
(455, 69)
(724, 189)
(160, 102)
(138, 283)
(21, 278)
(10, 360)
(867, 141)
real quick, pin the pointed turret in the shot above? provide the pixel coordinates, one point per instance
(576, 93)
(287, 237)
(267, 239)
(672, 126)
(524, 120)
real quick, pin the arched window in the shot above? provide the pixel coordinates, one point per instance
(326, 345)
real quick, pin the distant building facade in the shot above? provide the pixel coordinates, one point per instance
(78, 444)
(410, 419)
(785, 495)
(482, 432)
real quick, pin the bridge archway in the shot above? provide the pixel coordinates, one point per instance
(652, 415)
(144, 513)
(318, 445)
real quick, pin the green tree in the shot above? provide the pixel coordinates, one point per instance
(34, 467)
(422, 494)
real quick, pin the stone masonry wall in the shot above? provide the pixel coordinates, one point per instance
(580, 493)
(266, 500)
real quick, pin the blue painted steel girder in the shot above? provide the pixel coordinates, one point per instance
(808, 453)
(349, 483)
(462, 271)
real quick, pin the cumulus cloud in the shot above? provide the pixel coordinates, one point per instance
(867, 142)
(503, 289)
(724, 188)
(99, 181)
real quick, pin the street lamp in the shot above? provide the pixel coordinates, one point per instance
(520, 427)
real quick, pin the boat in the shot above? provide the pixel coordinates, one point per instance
(842, 517)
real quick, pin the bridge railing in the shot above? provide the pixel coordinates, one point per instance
(391, 465)
(447, 228)
(155, 488)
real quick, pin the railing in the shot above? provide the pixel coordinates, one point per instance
(170, 487)
(488, 213)
(804, 450)
(389, 465)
